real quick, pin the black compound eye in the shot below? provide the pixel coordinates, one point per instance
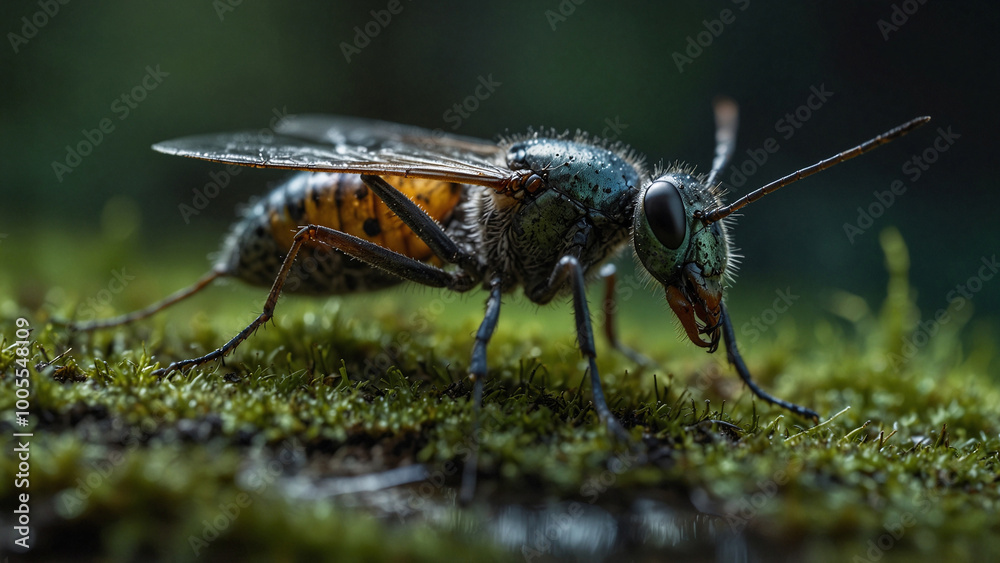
(665, 212)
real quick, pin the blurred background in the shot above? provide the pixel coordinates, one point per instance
(641, 72)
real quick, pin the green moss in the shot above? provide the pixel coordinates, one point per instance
(132, 465)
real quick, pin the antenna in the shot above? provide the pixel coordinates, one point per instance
(888, 136)
(726, 120)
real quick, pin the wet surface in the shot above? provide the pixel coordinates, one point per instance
(638, 530)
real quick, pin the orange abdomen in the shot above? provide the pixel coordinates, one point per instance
(258, 243)
(343, 202)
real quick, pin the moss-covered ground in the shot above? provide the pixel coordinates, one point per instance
(289, 451)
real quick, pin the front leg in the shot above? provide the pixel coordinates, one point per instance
(741, 368)
(569, 269)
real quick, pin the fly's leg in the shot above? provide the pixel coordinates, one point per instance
(445, 248)
(609, 274)
(741, 368)
(397, 264)
(569, 269)
(370, 253)
(199, 285)
(385, 259)
(422, 224)
(477, 372)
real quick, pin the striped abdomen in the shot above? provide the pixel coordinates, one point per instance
(257, 244)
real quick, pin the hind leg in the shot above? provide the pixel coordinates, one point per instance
(181, 295)
(370, 253)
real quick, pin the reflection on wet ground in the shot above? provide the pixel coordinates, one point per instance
(578, 531)
(643, 529)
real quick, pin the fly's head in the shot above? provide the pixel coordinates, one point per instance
(679, 231)
(688, 255)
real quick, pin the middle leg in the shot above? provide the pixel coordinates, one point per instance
(610, 275)
(569, 269)
(477, 372)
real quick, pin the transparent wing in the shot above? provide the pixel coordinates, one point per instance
(373, 134)
(356, 146)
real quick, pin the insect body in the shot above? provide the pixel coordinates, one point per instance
(537, 212)
(259, 242)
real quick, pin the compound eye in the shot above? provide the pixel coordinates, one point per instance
(516, 157)
(664, 210)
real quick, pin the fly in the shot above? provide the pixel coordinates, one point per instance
(538, 212)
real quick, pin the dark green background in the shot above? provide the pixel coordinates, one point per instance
(606, 61)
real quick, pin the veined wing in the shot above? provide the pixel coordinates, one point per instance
(373, 134)
(387, 157)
